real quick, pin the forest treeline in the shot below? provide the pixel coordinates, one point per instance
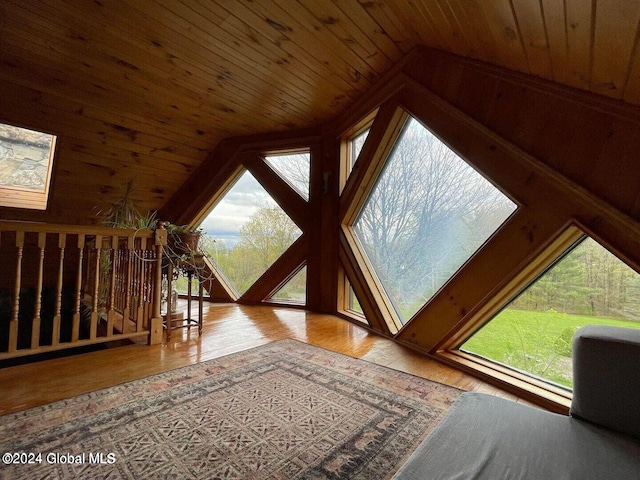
(589, 280)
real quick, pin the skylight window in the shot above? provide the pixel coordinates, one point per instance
(26, 159)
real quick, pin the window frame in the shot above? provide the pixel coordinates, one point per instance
(227, 284)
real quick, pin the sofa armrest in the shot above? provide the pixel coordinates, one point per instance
(606, 377)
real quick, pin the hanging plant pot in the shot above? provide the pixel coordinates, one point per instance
(184, 242)
(182, 239)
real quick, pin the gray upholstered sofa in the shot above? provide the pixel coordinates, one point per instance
(485, 437)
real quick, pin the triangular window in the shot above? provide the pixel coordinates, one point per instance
(355, 146)
(294, 169)
(354, 305)
(294, 290)
(533, 333)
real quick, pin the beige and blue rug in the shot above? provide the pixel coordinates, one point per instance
(286, 410)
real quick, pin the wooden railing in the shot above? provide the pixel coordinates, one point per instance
(63, 286)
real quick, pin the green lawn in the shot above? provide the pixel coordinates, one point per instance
(536, 342)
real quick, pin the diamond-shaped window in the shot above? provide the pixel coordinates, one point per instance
(533, 333)
(427, 214)
(294, 169)
(249, 230)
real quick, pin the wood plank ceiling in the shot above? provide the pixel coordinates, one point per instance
(144, 89)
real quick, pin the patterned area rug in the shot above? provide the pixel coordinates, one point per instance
(286, 410)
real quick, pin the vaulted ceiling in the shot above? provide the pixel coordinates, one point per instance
(143, 90)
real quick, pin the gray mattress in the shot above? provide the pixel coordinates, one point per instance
(485, 437)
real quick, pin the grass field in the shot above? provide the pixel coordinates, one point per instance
(538, 343)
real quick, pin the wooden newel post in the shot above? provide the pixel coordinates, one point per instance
(155, 323)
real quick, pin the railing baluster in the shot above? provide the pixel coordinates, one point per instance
(126, 294)
(115, 295)
(35, 323)
(122, 279)
(135, 268)
(112, 287)
(120, 286)
(135, 277)
(155, 322)
(75, 326)
(13, 325)
(140, 290)
(130, 278)
(93, 332)
(144, 282)
(62, 242)
(148, 299)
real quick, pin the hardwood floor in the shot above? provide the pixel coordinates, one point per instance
(228, 328)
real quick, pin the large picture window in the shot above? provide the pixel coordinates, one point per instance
(427, 214)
